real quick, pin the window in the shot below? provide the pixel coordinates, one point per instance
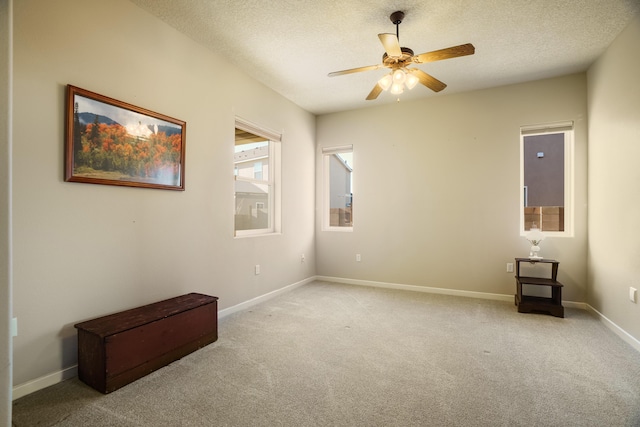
(547, 178)
(255, 159)
(257, 170)
(338, 188)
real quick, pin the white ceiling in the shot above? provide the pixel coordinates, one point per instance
(291, 45)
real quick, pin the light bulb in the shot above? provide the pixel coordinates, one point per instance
(385, 82)
(412, 81)
(399, 76)
(397, 88)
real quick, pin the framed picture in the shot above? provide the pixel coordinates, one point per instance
(114, 143)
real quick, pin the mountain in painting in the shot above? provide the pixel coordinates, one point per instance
(86, 118)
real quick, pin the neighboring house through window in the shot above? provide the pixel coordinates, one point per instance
(256, 158)
(338, 188)
(547, 178)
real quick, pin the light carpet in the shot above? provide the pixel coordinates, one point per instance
(341, 355)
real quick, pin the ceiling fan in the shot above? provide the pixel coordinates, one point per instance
(398, 60)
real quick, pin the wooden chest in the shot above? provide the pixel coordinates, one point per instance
(118, 349)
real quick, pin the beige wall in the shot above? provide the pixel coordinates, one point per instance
(437, 188)
(614, 180)
(86, 250)
(5, 213)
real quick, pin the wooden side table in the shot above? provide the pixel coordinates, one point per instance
(528, 303)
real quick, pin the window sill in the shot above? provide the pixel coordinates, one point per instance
(266, 234)
(338, 229)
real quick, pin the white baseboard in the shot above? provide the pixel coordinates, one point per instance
(44, 382)
(426, 289)
(615, 328)
(572, 304)
(441, 291)
(257, 300)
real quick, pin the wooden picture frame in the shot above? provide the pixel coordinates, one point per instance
(114, 143)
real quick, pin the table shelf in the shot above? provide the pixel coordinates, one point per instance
(529, 303)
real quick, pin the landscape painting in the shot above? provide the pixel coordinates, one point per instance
(115, 143)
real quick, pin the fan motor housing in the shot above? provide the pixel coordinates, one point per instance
(405, 59)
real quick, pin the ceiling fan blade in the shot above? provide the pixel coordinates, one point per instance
(450, 52)
(391, 45)
(427, 80)
(377, 89)
(355, 70)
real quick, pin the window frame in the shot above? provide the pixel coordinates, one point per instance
(327, 152)
(273, 181)
(567, 128)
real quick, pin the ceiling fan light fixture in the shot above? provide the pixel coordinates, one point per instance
(399, 76)
(411, 81)
(397, 88)
(386, 82)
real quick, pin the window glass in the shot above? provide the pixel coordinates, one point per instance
(254, 183)
(338, 187)
(546, 179)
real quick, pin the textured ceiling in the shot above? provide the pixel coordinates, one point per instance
(291, 45)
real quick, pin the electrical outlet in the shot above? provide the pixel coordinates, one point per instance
(257, 269)
(633, 295)
(509, 267)
(358, 258)
(302, 258)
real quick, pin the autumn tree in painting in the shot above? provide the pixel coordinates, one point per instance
(110, 148)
